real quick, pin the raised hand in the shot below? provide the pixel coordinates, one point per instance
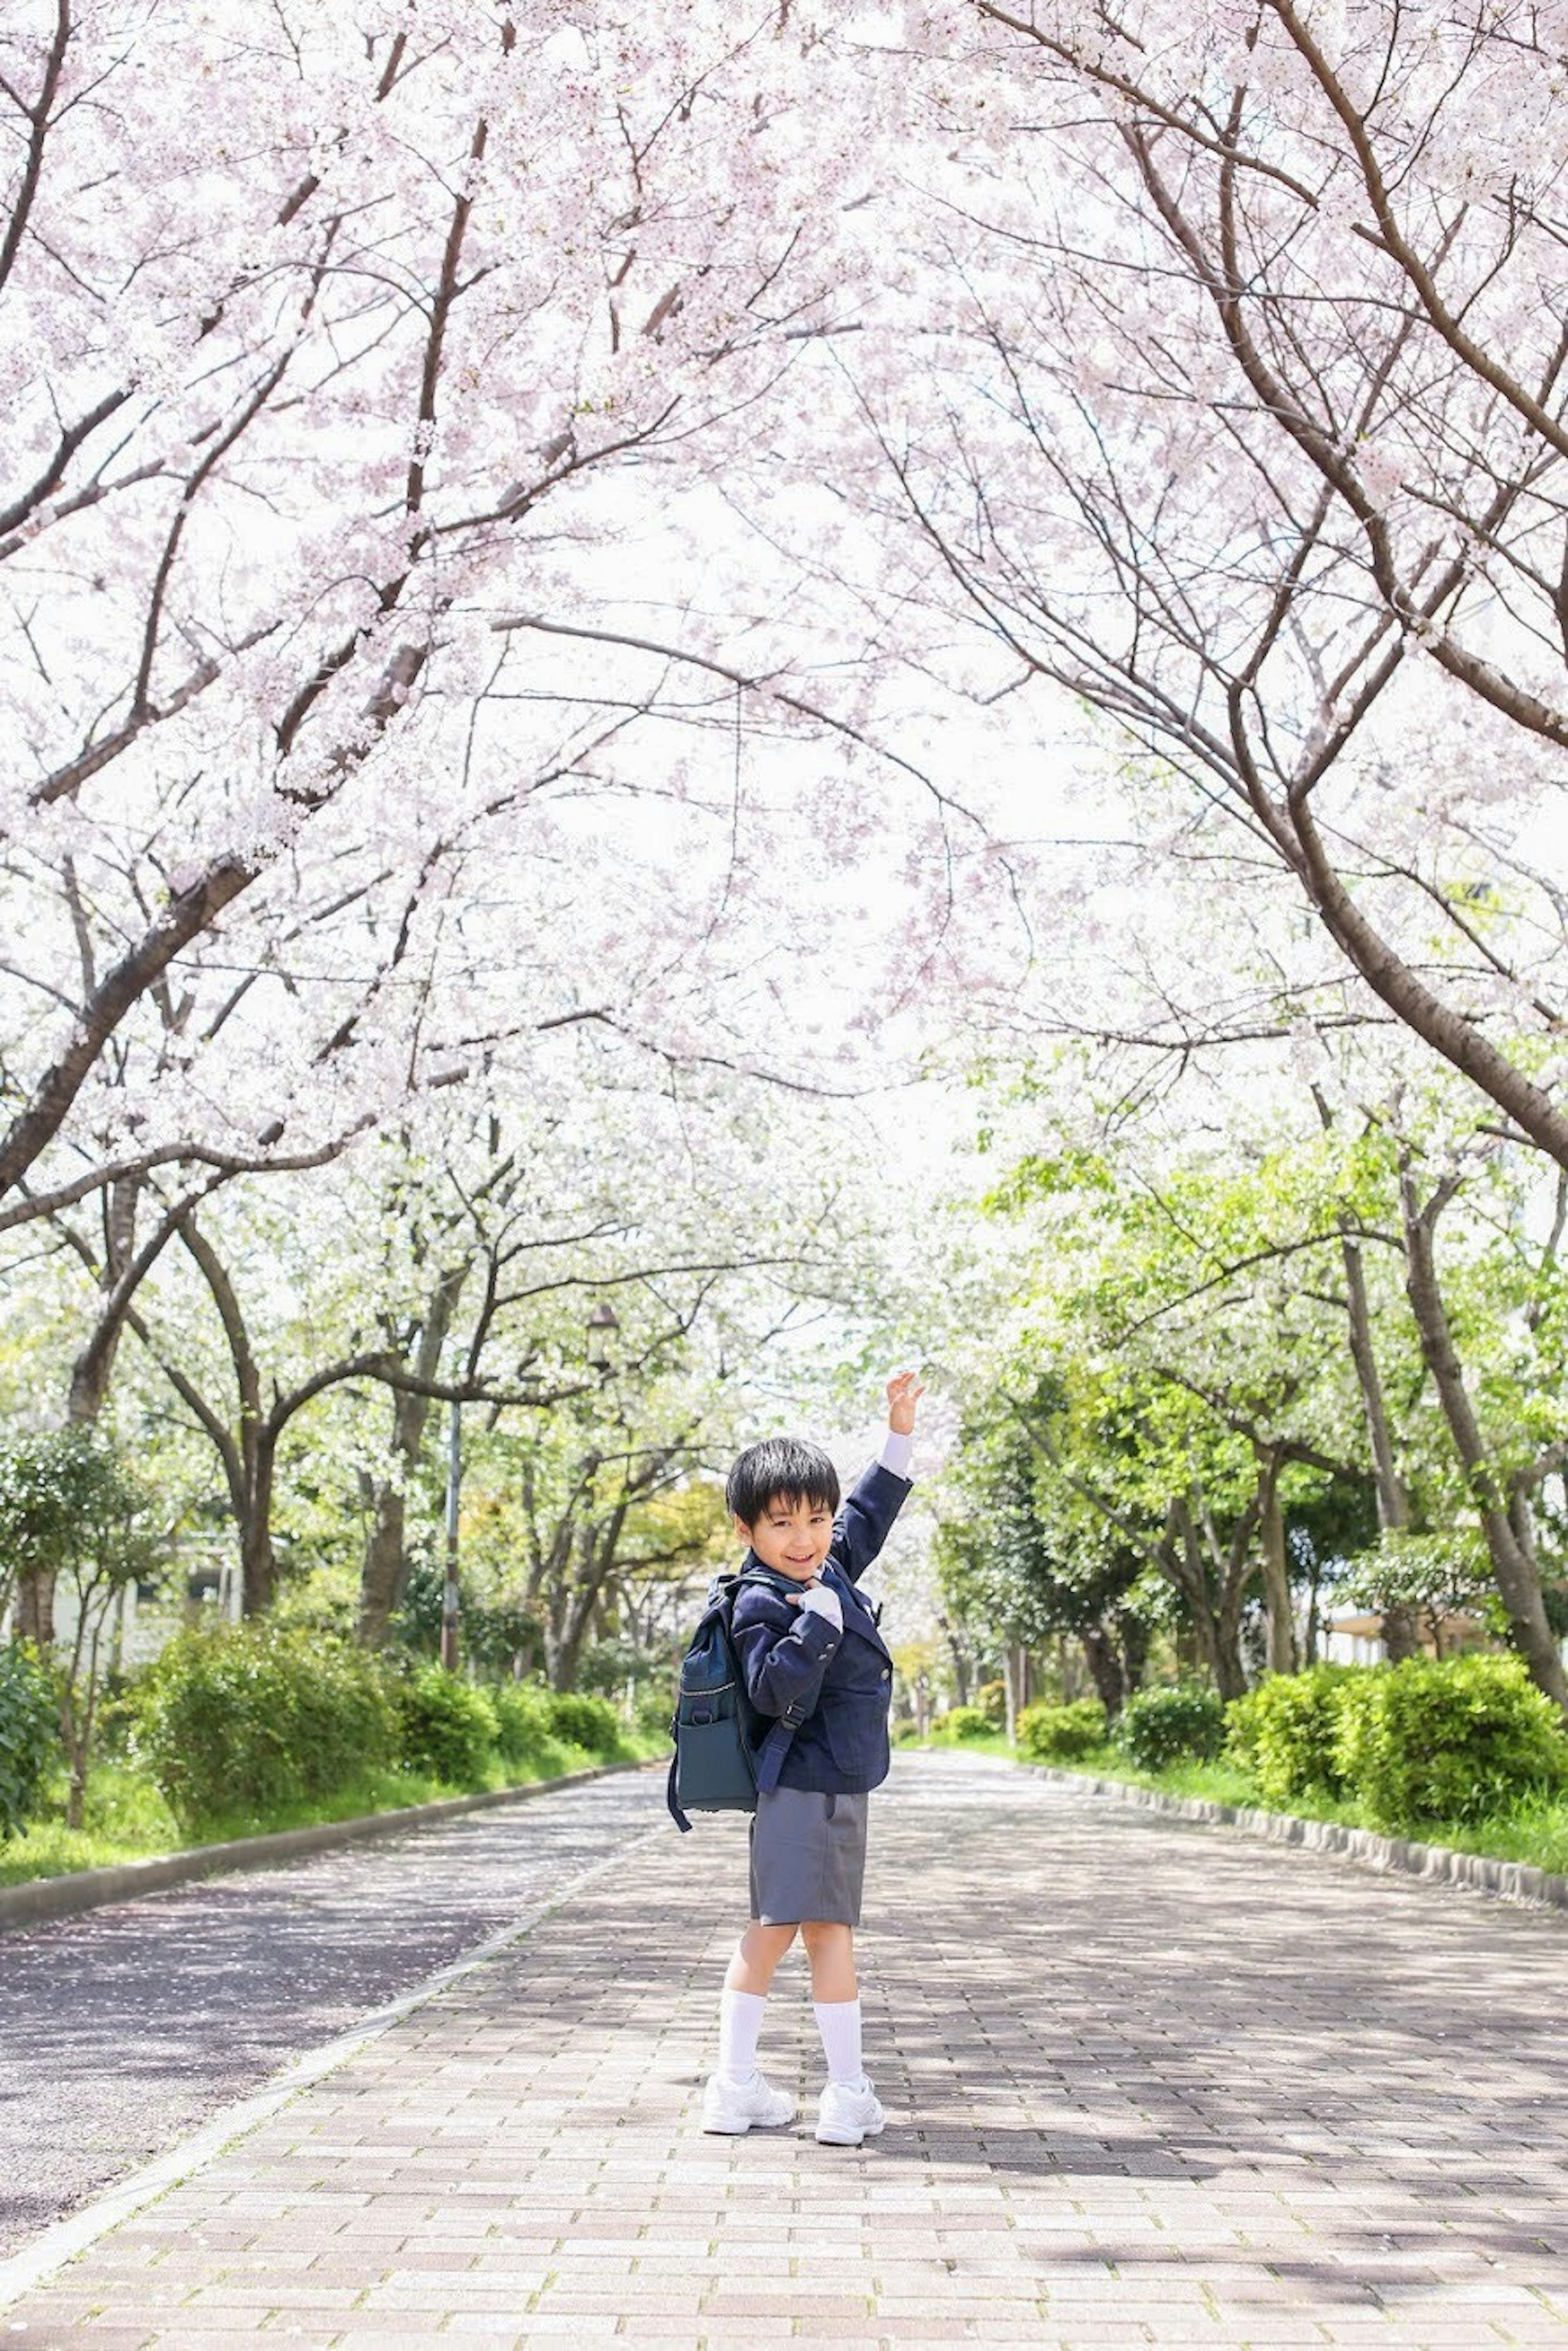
(905, 1390)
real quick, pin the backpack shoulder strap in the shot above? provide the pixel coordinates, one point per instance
(775, 1746)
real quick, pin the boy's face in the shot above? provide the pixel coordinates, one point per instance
(793, 1534)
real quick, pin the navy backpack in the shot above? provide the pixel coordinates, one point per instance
(726, 1753)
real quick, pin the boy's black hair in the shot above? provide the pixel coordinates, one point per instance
(790, 1466)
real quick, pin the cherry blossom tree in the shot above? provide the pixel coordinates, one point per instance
(1220, 381)
(340, 551)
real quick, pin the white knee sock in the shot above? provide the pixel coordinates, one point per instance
(838, 2021)
(740, 2022)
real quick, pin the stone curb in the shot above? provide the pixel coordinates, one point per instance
(1510, 1881)
(123, 1881)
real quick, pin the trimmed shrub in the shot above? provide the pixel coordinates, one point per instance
(992, 1700)
(961, 1722)
(901, 1733)
(1158, 1727)
(523, 1730)
(253, 1718)
(1447, 1738)
(1284, 1733)
(1052, 1734)
(584, 1722)
(29, 1735)
(446, 1726)
(652, 1714)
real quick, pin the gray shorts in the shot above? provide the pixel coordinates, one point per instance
(808, 1856)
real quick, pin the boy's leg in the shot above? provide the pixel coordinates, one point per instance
(737, 2095)
(757, 1954)
(849, 2110)
(830, 1947)
(835, 1996)
(741, 2005)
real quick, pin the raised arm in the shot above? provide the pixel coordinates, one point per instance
(867, 1514)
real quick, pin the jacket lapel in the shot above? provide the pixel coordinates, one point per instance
(858, 1618)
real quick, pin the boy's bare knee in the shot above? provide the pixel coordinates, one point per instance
(757, 1954)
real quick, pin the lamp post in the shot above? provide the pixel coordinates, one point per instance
(449, 1596)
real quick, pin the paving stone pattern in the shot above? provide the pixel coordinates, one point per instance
(1149, 2084)
(122, 2028)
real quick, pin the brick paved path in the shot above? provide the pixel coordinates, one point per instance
(121, 2031)
(1149, 2084)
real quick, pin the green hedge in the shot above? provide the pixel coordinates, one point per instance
(1427, 1740)
(523, 1726)
(253, 1718)
(1449, 1738)
(1051, 1734)
(963, 1723)
(584, 1722)
(446, 1726)
(1158, 1727)
(1285, 1734)
(29, 1735)
(259, 1718)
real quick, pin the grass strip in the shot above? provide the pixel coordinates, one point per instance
(128, 1820)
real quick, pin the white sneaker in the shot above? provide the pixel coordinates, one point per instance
(732, 2107)
(847, 2114)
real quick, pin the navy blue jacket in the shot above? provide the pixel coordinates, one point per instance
(838, 1688)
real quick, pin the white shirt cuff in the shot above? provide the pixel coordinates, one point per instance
(897, 1452)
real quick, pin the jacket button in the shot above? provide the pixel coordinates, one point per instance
(886, 1672)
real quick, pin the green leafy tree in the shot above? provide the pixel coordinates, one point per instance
(71, 1510)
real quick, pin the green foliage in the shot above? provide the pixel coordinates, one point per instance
(584, 1722)
(961, 1722)
(1452, 1739)
(69, 1506)
(1157, 1726)
(609, 1665)
(252, 1717)
(493, 1636)
(445, 1725)
(1440, 1574)
(1284, 1733)
(1051, 1734)
(523, 1724)
(903, 1732)
(992, 1700)
(652, 1714)
(28, 1735)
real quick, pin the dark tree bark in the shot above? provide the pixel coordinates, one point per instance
(384, 1576)
(1212, 1578)
(1282, 1631)
(1503, 1504)
(1400, 1637)
(1105, 1669)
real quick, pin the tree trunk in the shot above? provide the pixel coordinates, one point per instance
(1133, 1635)
(1508, 1541)
(384, 1572)
(1217, 1631)
(35, 1618)
(961, 1661)
(259, 1560)
(1400, 1637)
(1282, 1648)
(1106, 1669)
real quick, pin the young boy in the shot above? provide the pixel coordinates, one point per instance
(815, 1659)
